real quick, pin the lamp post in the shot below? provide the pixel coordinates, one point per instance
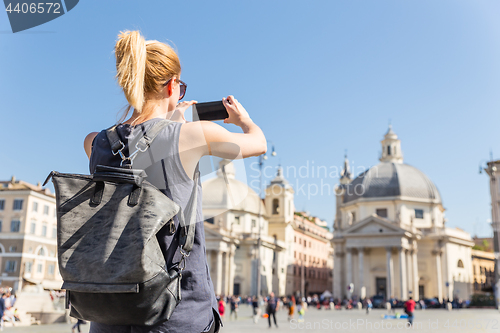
(262, 158)
(491, 169)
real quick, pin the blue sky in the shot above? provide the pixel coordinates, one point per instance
(318, 77)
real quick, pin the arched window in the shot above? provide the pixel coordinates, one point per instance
(460, 264)
(388, 150)
(276, 206)
(41, 252)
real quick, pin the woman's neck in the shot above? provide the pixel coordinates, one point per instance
(160, 110)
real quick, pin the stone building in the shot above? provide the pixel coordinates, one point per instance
(483, 268)
(288, 240)
(308, 255)
(28, 236)
(390, 234)
(233, 215)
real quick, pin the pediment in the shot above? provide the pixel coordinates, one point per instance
(374, 225)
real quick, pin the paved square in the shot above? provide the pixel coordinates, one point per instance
(433, 320)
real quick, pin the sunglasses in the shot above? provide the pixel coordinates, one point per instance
(183, 87)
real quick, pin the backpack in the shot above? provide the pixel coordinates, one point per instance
(112, 266)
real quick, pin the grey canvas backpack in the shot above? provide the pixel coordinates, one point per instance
(113, 268)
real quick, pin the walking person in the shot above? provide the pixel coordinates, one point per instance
(149, 72)
(291, 307)
(255, 309)
(222, 307)
(234, 308)
(301, 309)
(410, 309)
(77, 326)
(272, 307)
(2, 310)
(369, 305)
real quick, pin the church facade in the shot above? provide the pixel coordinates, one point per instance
(390, 234)
(294, 249)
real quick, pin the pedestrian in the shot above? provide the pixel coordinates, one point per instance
(291, 307)
(2, 310)
(222, 307)
(369, 305)
(410, 309)
(255, 309)
(77, 326)
(234, 308)
(272, 307)
(149, 73)
(301, 310)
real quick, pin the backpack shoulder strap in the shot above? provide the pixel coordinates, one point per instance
(187, 229)
(142, 145)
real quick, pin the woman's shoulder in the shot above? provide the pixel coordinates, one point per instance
(88, 142)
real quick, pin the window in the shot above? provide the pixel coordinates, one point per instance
(10, 266)
(39, 268)
(18, 204)
(276, 206)
(46, 210)
(33, 227)
(54, 232)
(254, 223)
(12, 249)
(15, 225)
(388, 150)
(41, 252)
(382, 212)
(210, 220)
(51, 269)
(29, 265)
(0, 225)
(2, 204)
(237, 220)
(44, 230)
(310, 244)
(35, 206)
(460, 264)
(419, 213)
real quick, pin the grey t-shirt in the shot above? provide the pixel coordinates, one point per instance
(198, 307)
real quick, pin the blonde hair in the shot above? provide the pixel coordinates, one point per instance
(142, 67)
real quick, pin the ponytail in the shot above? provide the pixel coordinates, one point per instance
(142, 67)
(130, 52)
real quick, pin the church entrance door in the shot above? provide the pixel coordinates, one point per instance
(380, 285)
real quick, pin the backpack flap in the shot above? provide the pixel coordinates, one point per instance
(121, 175)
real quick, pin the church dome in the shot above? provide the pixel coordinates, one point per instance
(392, 179)
(229, 193)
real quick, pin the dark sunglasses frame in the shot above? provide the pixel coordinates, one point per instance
(183, 87)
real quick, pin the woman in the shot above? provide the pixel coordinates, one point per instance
(149, 73)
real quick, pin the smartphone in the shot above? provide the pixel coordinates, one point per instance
(209, 111)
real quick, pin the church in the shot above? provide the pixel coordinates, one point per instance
(241, 230)
(390, 234)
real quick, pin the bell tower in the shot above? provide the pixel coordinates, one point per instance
(279, 199)
(391, 148)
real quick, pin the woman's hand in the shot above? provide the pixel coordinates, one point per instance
(237, 113)
(178, 113)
